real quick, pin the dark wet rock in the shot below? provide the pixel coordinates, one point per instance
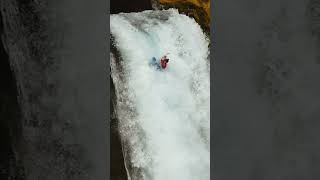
(11, 166)
(126, 6)
(36, 146)
(313, 13)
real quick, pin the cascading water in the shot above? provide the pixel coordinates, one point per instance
(164, 116)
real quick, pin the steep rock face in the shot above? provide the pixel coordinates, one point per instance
(274, 111)
(38, 138)
(198, 9)
(10, 124)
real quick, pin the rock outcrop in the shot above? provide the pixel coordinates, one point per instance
(198, 9)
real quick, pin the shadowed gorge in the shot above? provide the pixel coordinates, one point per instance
(118, 6)
(11, 166)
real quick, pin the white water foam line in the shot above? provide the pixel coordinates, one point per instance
(164, 116)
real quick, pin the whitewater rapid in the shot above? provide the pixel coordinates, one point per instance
(164, 117)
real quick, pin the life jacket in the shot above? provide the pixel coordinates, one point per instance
(163, 63)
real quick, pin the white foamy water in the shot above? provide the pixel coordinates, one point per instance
(164, 117)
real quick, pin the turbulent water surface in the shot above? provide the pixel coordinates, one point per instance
(164, 116)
